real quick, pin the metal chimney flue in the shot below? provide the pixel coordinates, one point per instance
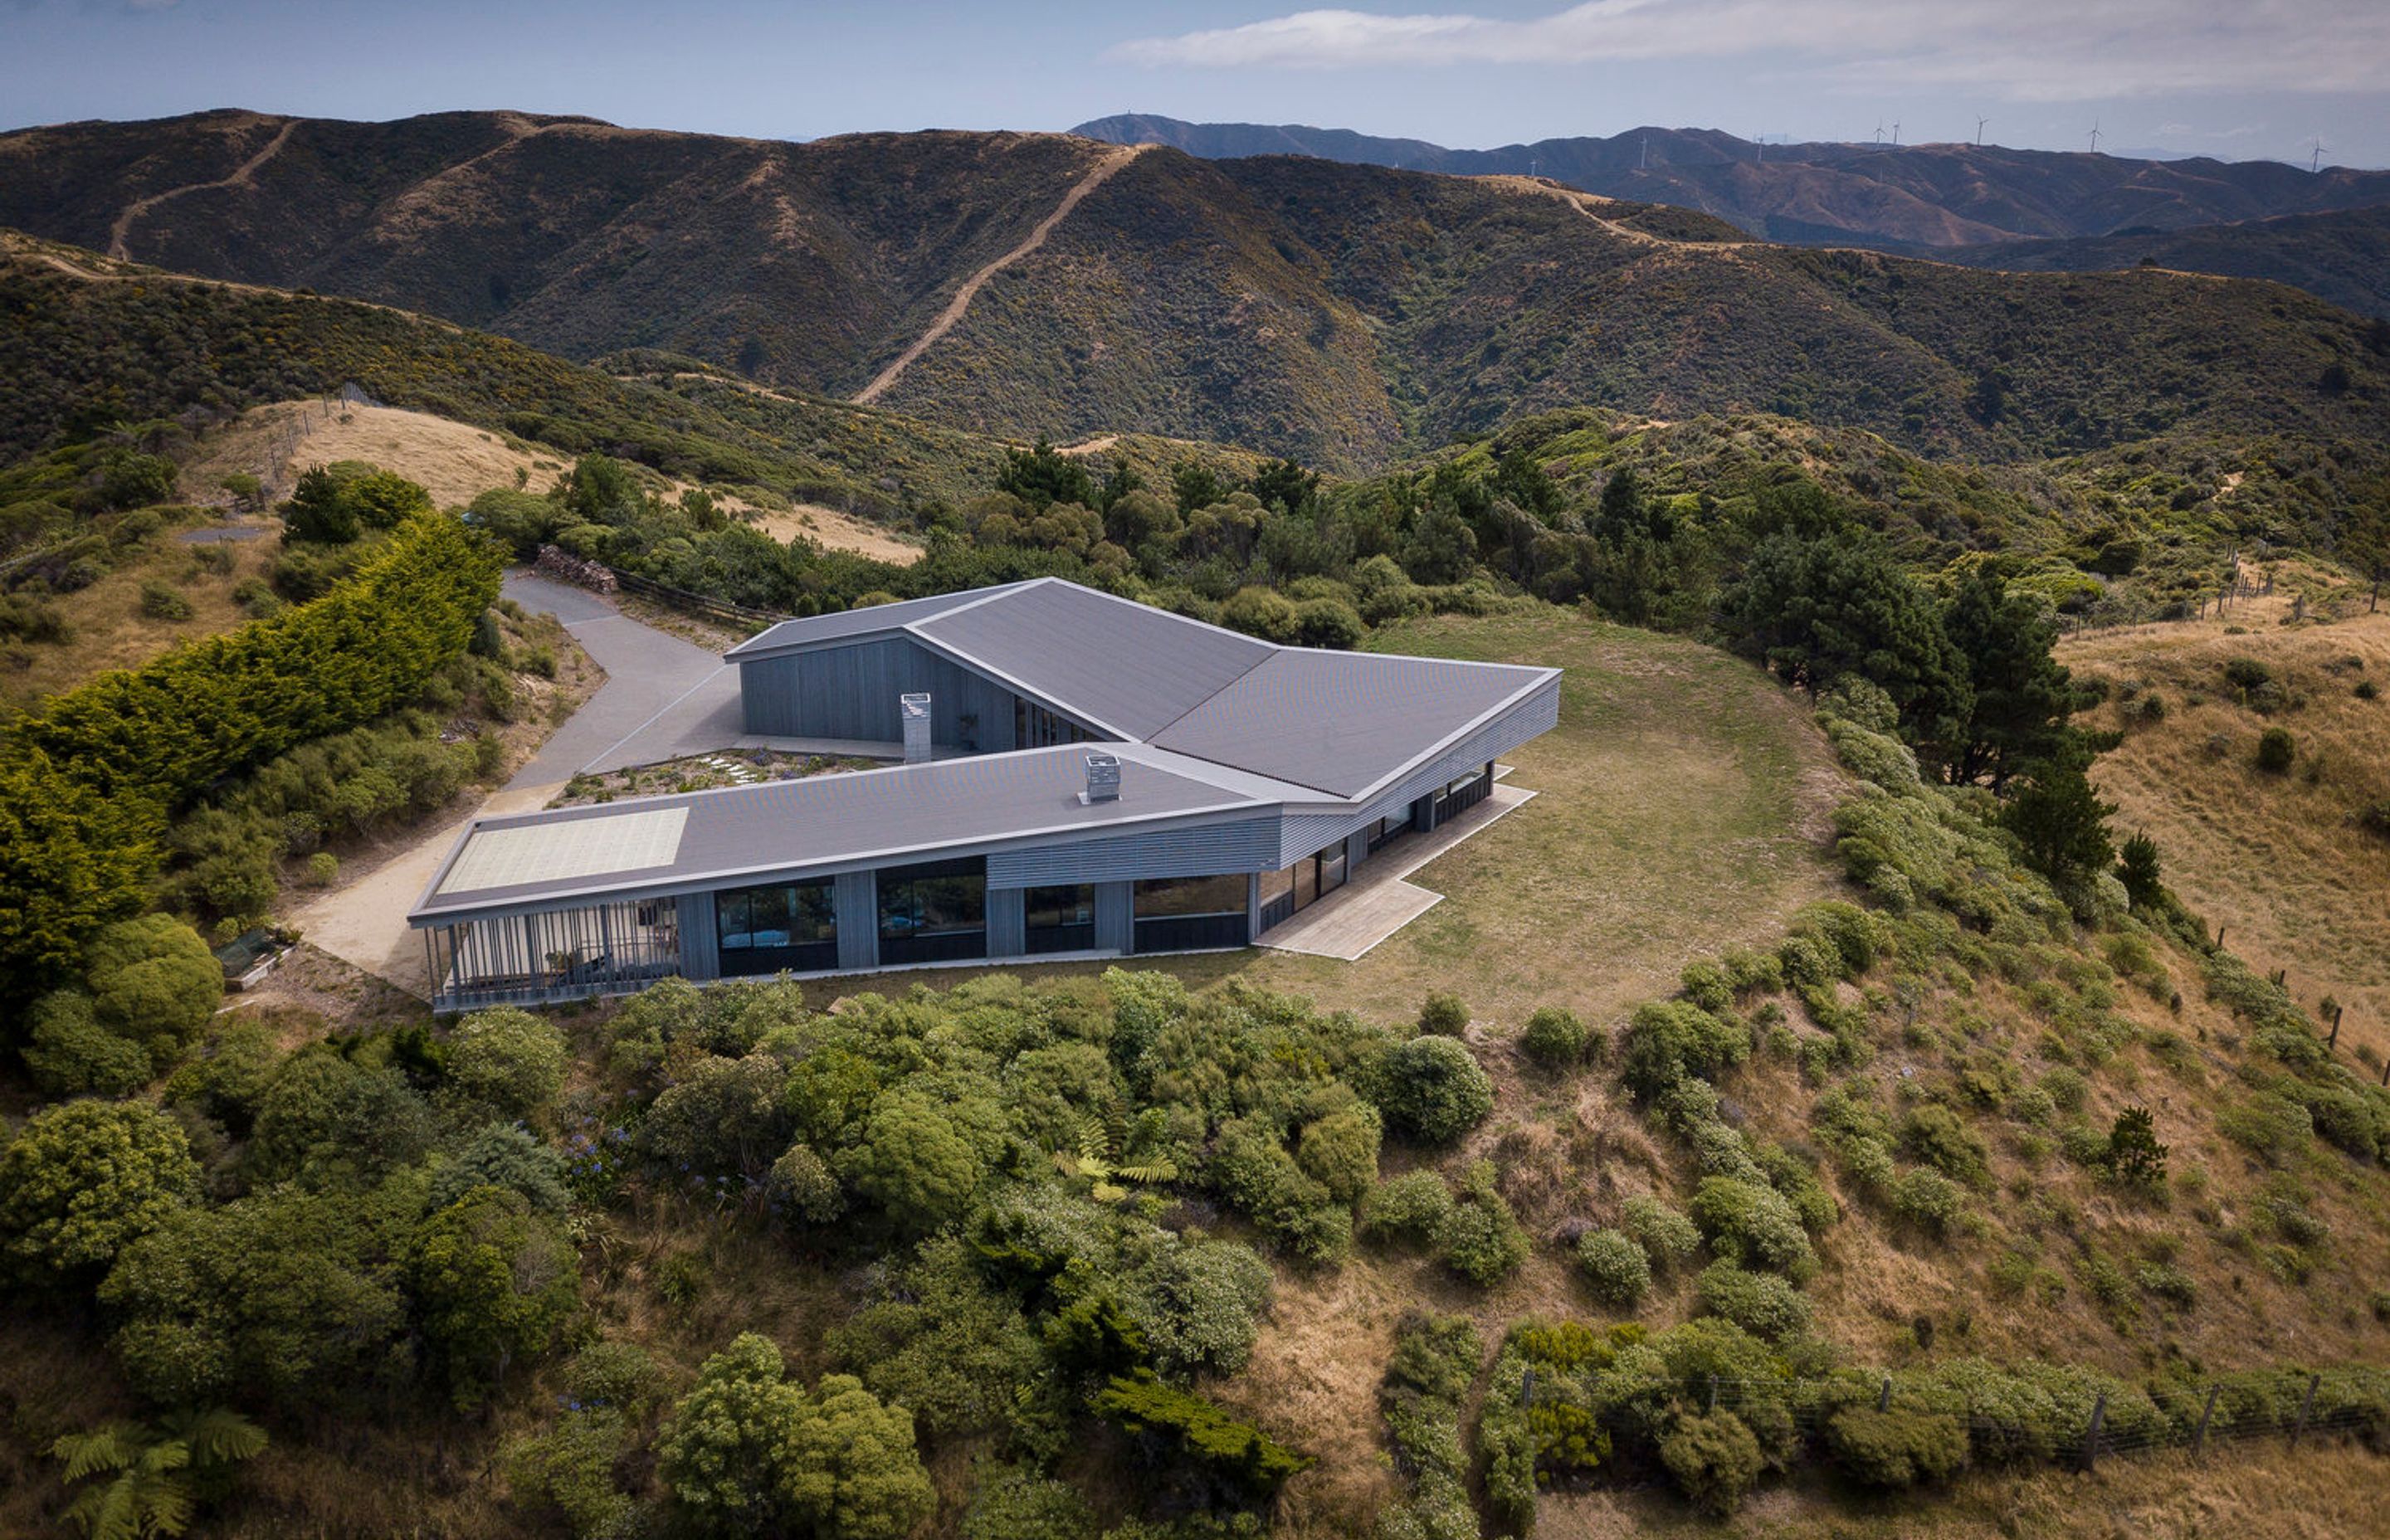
(915, 710)
(1103, 779)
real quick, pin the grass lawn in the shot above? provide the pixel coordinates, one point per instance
(1683, 809)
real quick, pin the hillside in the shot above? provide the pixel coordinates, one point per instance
(2343, 257)
(96, 341)
(1935, 195)
(1339, 313)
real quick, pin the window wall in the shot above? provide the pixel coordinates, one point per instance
(934, 912)
(1035, 727)
(1058, 919)
(790, 926)
(1177, 914)
(1291, 889)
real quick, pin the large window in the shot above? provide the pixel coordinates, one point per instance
(1464, 793)
(1287, 891)
(786, 925)
(1035, 727)
(934, 912)
(1058, 919)
(1177, 914)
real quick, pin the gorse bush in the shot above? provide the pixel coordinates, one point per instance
(1615, 1267)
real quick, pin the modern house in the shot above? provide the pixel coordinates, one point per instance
(1083, 777)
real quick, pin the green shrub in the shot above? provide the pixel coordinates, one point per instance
(1927, 1199)
(1617, 1269)
(1667, 1237)
(1938, 1137)
(504, 1062)
(1481, 1239)
(1554, 1038)
(2272, 1127)
(1714, 1459)
(1238, 1452)
(2277, 749)
(1411, 1208)
(82, 1180)
(2246, 673)
(70, 1054)
(1755, 1225)
(1443, 1015)
(1340, 1151)
(1808, 964)
(163, 601)
(1761, 1304)
(1896, 1448)
(1669, 1039)
(570, 1469)
(1010, 1502)
(1431, 1089)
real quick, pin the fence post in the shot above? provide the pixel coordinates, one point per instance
(2306, 1405)
(1527, 1386)
(2199, 1440)
(2333, 1041)
(1712, 1405)
(1883, 1396)
(2091, 1436)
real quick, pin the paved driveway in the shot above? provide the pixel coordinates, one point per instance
(662, 698)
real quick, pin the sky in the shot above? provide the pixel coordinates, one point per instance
(2237, 79)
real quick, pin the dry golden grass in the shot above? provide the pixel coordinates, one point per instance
(832, 529)
(2258, 1491)
(453, 461)
(110, 632)
(2279, 861)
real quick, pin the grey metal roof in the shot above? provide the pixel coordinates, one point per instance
(1342, 722)
(865, 817)
(813, 630)
(1120, 664)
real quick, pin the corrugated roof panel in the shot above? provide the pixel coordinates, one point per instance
(1125, 665)
(811, 629)
(831, 819)
(1340, 722)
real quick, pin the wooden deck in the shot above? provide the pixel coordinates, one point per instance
(1378, 902)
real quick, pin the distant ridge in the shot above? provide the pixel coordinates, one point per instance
(1935, 195)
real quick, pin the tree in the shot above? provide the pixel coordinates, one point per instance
(1285, 486)
(493, 1281)
(506, 1062)
(156, 1474)
(2135, 1157)
(84, 1179)
(154, 981)
(2018, 696)
(747, 1452)
(1042, 476)
(724, 1117)
(318, 512)
(501, 1155)
(72, 860)
(1818, 609)
(326, 1121)
(1193, 486)
(71, 1055)
(913, 1161)
(2138, 866)
(286, 1296)
(2060, 819)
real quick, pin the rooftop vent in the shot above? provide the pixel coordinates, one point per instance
(1103, 779)
(915, 710)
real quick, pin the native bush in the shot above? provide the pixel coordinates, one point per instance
(1480, 1238)
(1616, 1268)
(1746, 1222)
(1667, 1237)
(1443, 1015)
(1431, 1089)
(1896, 1448)
(1761, 1304)
(1410, 1209)
(1554, 1038)
(1714, 1459)
(1936, 1135)
(1926, 1199)
(82, 1180)
(1668, 1040)
(505, 1063)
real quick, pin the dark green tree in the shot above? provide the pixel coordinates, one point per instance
(1285, 486)
(2059, 818)
(2138, 866)
(1194, 486)
(82, 1180)
(1818, 609)
(1042, 476)
(2135, 1157)
(2018, 699)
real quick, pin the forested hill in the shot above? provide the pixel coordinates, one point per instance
(1928, 195)
(1341, 315)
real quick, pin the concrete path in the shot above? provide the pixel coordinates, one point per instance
(1378, 903)
(663, 699)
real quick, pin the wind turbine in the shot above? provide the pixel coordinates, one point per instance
(1979, 130)
(2095, 135)
(2315, 162)
(1895, 133)
(1879, 134)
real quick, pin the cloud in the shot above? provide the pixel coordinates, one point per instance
(2027, 50)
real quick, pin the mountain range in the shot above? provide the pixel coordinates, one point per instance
(1343, 313)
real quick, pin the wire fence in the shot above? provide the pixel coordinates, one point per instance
(698, 604)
